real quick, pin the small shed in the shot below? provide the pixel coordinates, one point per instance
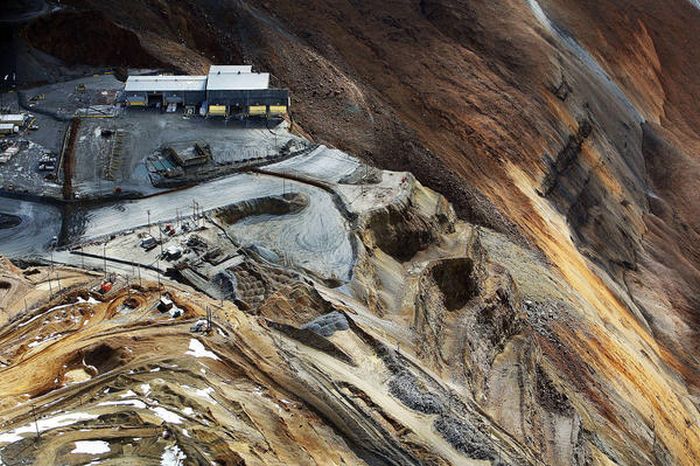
(188, 154)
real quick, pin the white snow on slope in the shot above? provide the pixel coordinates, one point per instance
(198, 350)
(91, 447)
(61, 420)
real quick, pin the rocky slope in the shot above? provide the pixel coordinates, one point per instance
(565, 134)
(450, 345)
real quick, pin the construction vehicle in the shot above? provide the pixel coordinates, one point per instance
(148, 243)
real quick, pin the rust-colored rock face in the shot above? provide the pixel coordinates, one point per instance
(568, 131)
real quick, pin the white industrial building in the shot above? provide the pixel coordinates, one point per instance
(226, 90)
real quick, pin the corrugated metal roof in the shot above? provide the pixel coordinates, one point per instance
(230, 69)
(220, 78)
(238, 81)
(165, 83)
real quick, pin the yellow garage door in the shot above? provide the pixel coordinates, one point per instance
(257, 110)
(217, 110)
(278, 109)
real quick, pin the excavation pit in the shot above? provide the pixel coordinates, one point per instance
(456, 281)
(284, 204)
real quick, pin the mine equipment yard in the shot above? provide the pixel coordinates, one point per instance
(90, 176)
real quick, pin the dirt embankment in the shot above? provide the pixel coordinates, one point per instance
(97, 40)
(288, 203)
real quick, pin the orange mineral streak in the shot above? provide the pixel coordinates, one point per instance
(618, 343)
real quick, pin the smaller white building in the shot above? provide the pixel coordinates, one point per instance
(13, 118)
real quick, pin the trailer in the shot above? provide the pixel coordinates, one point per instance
(13, 118)
(8, 128)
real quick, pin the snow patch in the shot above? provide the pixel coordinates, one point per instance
(135, 403)
(198, 350)
(45, 424)
(540, 15)
(173, 456)
(128, 394)
(91, 447)
(167, 416)
(90, 300)
(206, 393)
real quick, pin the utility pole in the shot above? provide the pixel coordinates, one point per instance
(104, 256)
(148, 212)
(160, 233)
(138, 270)
(51, 269)
(36, 423)
(160, 290)
(58, 278)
